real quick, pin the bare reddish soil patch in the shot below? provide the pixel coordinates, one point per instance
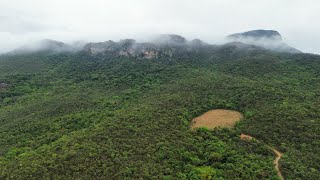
(217, 118)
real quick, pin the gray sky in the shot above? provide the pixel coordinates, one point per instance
(23, 21)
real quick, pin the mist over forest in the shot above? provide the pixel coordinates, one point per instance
(202, 90)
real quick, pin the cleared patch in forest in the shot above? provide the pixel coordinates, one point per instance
(217, 118)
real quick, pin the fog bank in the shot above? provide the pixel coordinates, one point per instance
(24, 21)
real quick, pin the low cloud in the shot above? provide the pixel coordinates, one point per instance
(24, 21)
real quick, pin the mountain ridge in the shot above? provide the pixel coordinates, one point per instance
(164, 45)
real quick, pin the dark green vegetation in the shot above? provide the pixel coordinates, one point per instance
(76, 115)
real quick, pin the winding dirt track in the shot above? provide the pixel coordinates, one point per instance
(275, 162)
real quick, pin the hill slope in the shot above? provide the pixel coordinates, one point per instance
(117, 113)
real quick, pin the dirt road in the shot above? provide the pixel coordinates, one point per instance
(276, 161)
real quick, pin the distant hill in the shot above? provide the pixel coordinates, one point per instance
(44, 45)
(258, 34)
(269, 39)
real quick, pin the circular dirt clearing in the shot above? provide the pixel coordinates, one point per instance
(217, 118)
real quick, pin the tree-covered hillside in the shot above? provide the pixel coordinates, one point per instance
(82, 115)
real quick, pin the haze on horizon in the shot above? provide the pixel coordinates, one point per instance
(24, 21)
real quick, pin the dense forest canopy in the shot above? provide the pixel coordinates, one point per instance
(114, 111)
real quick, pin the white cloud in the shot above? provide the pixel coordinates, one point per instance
(210, 20)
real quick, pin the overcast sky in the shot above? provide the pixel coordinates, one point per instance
(23, 21)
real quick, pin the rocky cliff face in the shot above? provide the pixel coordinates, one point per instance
(162, 46)
(127, 47)
(100, 47)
